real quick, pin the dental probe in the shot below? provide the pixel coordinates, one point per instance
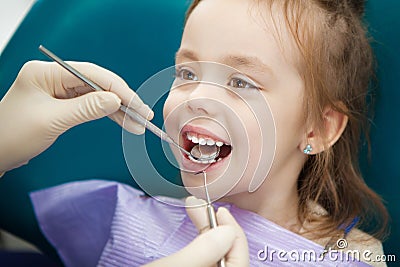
(211, 216)
(135, 116)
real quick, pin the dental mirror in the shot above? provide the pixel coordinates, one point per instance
(203, 153)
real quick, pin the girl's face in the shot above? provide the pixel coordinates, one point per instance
(231, 75)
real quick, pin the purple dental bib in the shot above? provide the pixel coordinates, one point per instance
(111, 224)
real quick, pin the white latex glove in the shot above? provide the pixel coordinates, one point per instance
(228, 240)
(46, 100)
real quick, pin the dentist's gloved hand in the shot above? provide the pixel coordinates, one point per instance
(46, 100)
(227, 240)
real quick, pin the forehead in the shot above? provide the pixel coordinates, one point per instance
(218, 28)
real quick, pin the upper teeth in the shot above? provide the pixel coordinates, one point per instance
(204, 141)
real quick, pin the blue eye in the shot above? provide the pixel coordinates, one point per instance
(242, 84)
(186, 74)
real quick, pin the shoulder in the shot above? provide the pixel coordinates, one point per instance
(358, 239)
(368, 247)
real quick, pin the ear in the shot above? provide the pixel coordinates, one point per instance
(334, 124)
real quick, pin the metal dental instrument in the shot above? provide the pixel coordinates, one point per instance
(211, 216)
(135, 116)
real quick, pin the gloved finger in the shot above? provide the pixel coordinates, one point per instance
(239, 253)
(205, 250)
(52, 79)
(197, 212)
(59, 83)
(91, 106)
(113, 83)
(110, 82)
(128, 123)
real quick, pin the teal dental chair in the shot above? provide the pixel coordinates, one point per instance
(136, 39)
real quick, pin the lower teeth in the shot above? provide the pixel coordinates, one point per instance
(202, 161)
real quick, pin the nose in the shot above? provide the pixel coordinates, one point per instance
(204, 100)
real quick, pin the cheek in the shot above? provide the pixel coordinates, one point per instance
(253, 135)
(262, 141)
(172, 108)
(289, 122)
(290, 126)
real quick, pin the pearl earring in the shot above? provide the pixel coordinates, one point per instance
(308, 149)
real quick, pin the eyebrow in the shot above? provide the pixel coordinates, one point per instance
(185, 54)
(236, 61)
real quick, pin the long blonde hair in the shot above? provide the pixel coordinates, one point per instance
(337, 67)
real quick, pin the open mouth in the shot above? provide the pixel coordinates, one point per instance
(205, 143)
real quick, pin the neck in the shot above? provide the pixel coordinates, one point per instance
(276, 200)
(275, 205)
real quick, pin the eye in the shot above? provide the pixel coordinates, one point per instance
(186, 74)
(241, 84)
